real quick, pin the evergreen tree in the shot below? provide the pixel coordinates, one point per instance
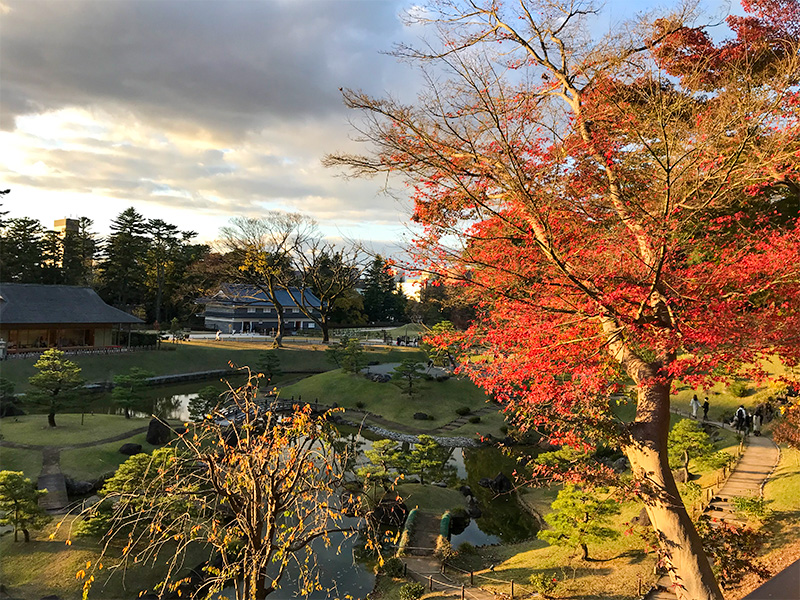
(56, 384)
(122, 270)
(21, 251)
(428, 459)
(406, 374)
(52, 253)
(578, 518)
(79, 250)
(383, 299)
(19, 504)
(129, 388)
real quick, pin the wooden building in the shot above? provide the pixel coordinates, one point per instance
(36, 317)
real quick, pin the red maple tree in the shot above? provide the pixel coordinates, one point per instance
(621, 209)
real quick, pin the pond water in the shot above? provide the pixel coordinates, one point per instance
(503, 520)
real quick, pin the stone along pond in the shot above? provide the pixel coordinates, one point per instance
(502, 519)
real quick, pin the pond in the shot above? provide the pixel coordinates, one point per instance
(503, 520)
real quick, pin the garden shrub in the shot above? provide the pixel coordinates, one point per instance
(360, 405)
(475, 419)
(738, 389)
(690, 492)
(393, 567)
(543, 583)
(467, 549)
(751, 507)
(462, 411)
(411, 591)
(733, 550)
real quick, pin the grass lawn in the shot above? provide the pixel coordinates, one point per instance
(430, 498)
(613, 574)
(33, 429)
(27, 461)
(781, 493)
(199, 355)
(94, 461)
(437, 398)
(43, 567)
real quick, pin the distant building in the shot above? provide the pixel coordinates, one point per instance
(62, 226)
(241, 308)
(36, 317)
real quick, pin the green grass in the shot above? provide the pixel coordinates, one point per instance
(781, 494)
(439, 399)
(94, 461)
(43, 567)
(27, 461)
(33, 429)
(613, 574)
(430, 498)
(201, 355)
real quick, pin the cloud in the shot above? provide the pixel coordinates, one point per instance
(226, 67)
(207, 109)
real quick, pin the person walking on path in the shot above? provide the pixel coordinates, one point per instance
(694, 405)
(741, 420)
(705, 409)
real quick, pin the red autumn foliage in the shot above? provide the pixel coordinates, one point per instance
(627, 210)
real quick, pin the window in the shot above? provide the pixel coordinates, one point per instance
(251, 309)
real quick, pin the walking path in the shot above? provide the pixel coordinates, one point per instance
(748, 478)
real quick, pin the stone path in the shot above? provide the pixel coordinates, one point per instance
(747, 479)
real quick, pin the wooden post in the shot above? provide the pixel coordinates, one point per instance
(430, 582)
(471, 580)
(639, 586)
(512, 589)
(462, 592)
(405, 569)
(442, 568)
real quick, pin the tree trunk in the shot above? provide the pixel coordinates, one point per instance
(686, 465)
(26, 534)
(51, 418)
(585, 552)
(127, 413)
(687, 564)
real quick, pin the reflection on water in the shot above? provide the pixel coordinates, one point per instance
(502, 520)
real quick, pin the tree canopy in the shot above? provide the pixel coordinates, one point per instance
(56, 384)
(627, 206)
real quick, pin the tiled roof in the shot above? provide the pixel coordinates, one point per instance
(248, 295)
(27, 303)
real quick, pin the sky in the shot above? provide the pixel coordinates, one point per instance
(195, 111)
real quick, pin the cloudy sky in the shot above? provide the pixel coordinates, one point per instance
(195, 110)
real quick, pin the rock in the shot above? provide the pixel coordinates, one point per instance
(485, 482)
(501, 484)
(421, 416)
(473, 509)
(466, 490)
(620, 465)
(440, 484)
(76, 487)
(180, 430)
(9, 408)
(130, 449)
(158, 433)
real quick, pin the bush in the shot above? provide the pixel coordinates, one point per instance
(444, 549)
(467, 549)
(738, 389)
(393, 567)
(462, 411)
(411, 591)
(360, 405)
(475, 419)
(751, 507)
(543, 583)
(690, 492)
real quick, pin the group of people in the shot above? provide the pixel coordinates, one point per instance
(744, 421)
(695, 405)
